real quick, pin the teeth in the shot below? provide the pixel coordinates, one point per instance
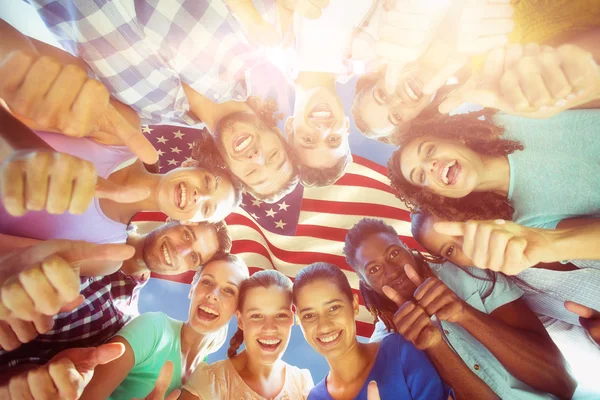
(166, 253)
(320, 114)
(209, 310)
(269, 342)
(329, 338)
(183, 201)
(244, 144)
(446, 170)
(410, 92)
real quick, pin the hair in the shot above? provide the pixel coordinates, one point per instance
(223, 237)
(363, 228)
(479, 135)
(320, 177)
(322, 271)
(231, 258)
(264, 279)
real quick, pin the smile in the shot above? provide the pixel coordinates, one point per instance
(330, 339)
(242, 142)
(165, 252)
(413, 90)
(207, 312)
(321, 115)
(449, 172)
(269, 344)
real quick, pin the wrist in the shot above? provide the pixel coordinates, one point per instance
(558, 246)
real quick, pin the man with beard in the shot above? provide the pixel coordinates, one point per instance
(473, 326)
(106, 303)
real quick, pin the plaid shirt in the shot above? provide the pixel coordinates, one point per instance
(110, 302)
(142, 50)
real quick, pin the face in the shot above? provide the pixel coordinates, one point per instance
(381, 260)
(327, 318)
(214, 299)
(449, 247)
(175, 248)
(194, 194)
(255, 154)
(318, 130)
(385, 113)
(266, 320)
(448, 168)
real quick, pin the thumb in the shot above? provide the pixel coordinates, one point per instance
(131, 137)
(75, 252)
(87, 358)
(413, 275)
(459, 96)
(393, 295)
(581, 310)
(121, 194)
(373, 391)
(439, 79)
(450, 228)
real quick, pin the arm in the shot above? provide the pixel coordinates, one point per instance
(185, 395)
(457, 374)
(525, 350)
(9, 243)
(109, 376)
(577, 238)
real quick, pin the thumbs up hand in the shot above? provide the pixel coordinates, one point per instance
(64, 377)
(49, 94)
(34, 180)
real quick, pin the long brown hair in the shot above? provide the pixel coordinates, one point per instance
(480, 135)
(264, 279)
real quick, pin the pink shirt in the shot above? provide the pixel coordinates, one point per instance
(93, 225)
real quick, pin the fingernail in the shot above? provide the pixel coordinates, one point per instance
(543, 108)
(560, 103)
(571, 96)
(581, 92)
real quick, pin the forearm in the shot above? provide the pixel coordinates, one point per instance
(457, 374)
(530, 356)
(577, 239)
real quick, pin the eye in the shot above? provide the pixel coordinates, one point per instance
(394, 254)
(206, 209)
(449, 251)
(395, 118)
(374, 269)
(273, 155)
(186, 236)
(255, 316)
(430, 150)
(207, 180)
(252, 172)
(194, 258)
(206, 282)
(335, 308)
(334, 139)
(282, 316)
(229, 291)
(308, 139)
(381, 96)
(422, 177)
(308, 316)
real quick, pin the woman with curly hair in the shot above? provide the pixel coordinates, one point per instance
(538, 173)
(265, 321)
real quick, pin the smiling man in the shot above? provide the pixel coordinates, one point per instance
(110, 301)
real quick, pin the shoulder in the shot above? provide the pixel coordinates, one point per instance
(209, 381)
(301, 378)
(319, 392)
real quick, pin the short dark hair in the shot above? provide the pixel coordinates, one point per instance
(322, 271)
(363, 228)
(320, 177)
(288, 186)
(223, 237)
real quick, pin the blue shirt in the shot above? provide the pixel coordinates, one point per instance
(401, 372)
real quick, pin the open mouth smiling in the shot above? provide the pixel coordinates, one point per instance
(449, 172)
(207, 312)
(330, 339)
(181, 196)
(269, 344)
(241, 142)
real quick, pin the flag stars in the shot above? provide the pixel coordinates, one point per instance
(162, 139)
(256, 202)
(146, 129)
(175, 150)
(254, 216)
(188, 159)
(271, 213)
(160, 153)
(190, 146)
(283, 206)
(172, 162)
(280, 224)
(179, 134)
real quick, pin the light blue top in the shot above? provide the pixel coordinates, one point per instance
(474, 354)
(155, 338)
(557, 174)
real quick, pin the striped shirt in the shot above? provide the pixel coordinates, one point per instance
(143, 50)
(111, 301)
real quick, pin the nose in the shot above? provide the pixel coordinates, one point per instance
(212, 295)
(324, 325)
(256, 155)
(269, 325)
(198, 197)
(431, 165)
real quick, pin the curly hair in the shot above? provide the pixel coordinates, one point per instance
(479, 135)
(264, 279)
(363, 228)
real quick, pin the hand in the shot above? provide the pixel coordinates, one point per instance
(405, 33)
(311, 9)
(373, 391)
(65, 376)
(62, 97)
(264, 34)
(436, 298)
(14, 332)
(162, 384)
(500, 245)
(41, 280)
(412, 322)
(531, 81)
(34, 180)
(588, 318)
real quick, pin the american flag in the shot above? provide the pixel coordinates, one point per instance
(306, 226)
